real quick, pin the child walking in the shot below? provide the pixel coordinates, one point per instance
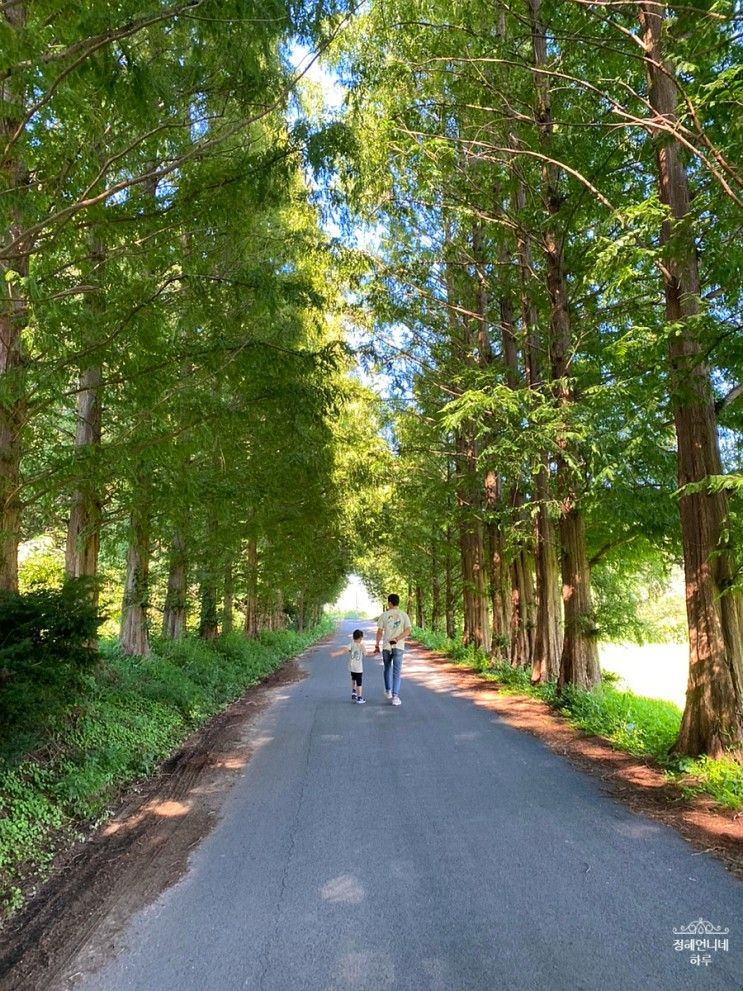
(356, 653)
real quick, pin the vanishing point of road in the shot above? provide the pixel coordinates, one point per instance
(425, 847)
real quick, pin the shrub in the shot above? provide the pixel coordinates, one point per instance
(46, 637)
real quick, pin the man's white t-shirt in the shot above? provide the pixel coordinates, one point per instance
(392, 622)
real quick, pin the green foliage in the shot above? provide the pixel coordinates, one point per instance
(40, 565)
(45, 653)
(135, 713)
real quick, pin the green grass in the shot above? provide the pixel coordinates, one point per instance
(641, 726)
(134, 713)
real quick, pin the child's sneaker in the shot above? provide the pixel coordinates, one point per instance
(360, 701)
(396, 700)
(354, 696)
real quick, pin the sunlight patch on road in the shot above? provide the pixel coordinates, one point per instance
(344, 888)
(366, 971)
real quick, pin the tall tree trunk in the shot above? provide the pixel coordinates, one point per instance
(548, 613)
(449, 585)
(228, 598)
(134, 637)
(14, 267)
(713, 716)
(279, 616)
(435, 590)
(84, 526)
(497, 571)
(477, 629)
(176, 598)
(523, 606)
(579, 662)
(208, 623)
(420, 618)
(301, 612)
(251, 597)
(548, 632)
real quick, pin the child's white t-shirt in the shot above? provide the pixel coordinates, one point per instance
(356, 658)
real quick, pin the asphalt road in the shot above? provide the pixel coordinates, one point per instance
(427, 847)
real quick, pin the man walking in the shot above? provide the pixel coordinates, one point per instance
(393, 626)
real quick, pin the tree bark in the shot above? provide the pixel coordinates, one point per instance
(13, 319)
(522, 619)
(435, 589)
(228, 598)
(176, 598)
(548, 614)
(477, 628)
(208, 623)
(420, 618)
(548, 631)
(84, 526)
(134, 637)
(579, 663)
(251, 598)
(449, 586)
(301, 611)
(713, 716)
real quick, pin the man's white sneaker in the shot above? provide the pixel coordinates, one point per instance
(387, 694)
(396, 700)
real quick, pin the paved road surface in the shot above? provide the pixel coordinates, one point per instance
(424, 848)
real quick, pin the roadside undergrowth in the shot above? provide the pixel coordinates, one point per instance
(132, 714)
(632, 723)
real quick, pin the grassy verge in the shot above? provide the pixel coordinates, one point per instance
(134, 713)
(638, 725)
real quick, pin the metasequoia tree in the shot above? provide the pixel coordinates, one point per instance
(553, 145)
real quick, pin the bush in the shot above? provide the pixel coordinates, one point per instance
(46, 637)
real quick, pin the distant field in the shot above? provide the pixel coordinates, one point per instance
(658, 670)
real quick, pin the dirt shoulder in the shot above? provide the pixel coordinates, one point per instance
(638, 782)
(139, 851)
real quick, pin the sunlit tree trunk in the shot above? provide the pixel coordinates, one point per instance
(548, 610)
(176, 598)
(477, 628)
(84, 526)
(713, 716)
(498, 573)
(134, 637)
(548, 630)
(579, 663)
